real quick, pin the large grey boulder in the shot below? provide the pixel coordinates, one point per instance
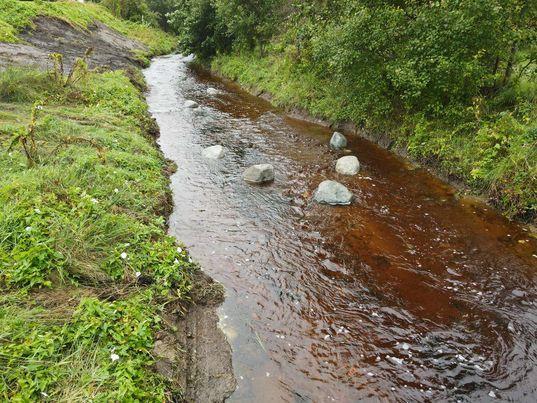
(190, 104)
(259, 174)
(338, 141)
(214, 152)
(348, 165)
(334, 193)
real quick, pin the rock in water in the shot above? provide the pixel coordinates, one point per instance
(338, 141)
(191, 104)
(334, 193)
(212, 91)
(213, 152)
(259, 173)
(348, 165)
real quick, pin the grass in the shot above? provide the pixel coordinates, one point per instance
(491, 146)
(16, 15)
(86, 266)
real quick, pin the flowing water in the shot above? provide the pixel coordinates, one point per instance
(408, 294)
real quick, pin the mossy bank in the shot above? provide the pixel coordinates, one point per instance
(95, 294)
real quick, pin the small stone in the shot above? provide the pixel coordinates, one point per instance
(398, 361)
(191, 104)
(213, 152)
(348, 165)
(338, 141)
(492, 394)
(261, 173)
(333, 193)
(212, 91)
(518, 293)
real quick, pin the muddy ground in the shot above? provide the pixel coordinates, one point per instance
(192, 351)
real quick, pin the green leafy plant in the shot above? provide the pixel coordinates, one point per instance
(78, 70)
(25, 137)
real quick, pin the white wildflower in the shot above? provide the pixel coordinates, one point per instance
(37, 211)
(116, 190)
(28, 229)
(114, 357)
(124, 255)
(179, 250)
(138, 274)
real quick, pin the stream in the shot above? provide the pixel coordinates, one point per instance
(409, 294)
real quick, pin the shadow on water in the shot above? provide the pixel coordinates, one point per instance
(407, 294)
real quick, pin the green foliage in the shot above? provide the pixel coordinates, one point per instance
(23, 85)
(103, 346)
(85, 262)
(199, 28)
(207, 27)
(134, 10)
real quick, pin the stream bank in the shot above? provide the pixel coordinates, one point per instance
(86, 266)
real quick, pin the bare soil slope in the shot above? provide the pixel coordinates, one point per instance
(49, 35)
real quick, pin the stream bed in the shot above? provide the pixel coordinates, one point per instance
(408, 294)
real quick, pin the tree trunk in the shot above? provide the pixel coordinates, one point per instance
(510, 62)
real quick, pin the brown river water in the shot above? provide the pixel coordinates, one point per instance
(409, 294)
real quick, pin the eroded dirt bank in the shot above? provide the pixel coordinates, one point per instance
(49, 35)
(193, 352)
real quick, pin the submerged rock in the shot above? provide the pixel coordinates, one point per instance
(338, 141)
(334, 193)
(212, 91)
(259, 174)
(191, 104)
(348, 165)
(214, 152)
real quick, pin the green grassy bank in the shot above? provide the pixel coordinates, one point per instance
(491, 145)
(86, 267)
(85, 263)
